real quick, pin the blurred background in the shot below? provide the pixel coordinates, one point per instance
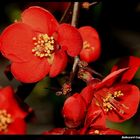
(118, 25)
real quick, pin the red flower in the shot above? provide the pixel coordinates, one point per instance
(11, 115)
(119, 101)
(36, 46)
(91, 44)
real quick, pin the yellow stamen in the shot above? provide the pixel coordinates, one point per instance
(5, 120)
(97, 132)
(110, 103)
(86, 45)
(44, 45)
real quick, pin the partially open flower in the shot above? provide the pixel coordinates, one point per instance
(37, 45)
(91, 44)
(11, 115)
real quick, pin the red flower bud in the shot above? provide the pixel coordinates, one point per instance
(74, 110)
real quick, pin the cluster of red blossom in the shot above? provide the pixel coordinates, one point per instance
(38, 46)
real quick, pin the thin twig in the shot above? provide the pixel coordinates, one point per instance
(73, 23)
(74, 68)
(75, 14)
(65, 13)
(76, 59)
(93, 71)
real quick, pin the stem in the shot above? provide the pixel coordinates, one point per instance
(94, 3)
(73, 23)
(74, 68)
(67, 89)
(65, 13)
(93, 71)
(75, 14)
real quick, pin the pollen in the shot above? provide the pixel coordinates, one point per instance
(5, 120)
(97, 132)
(86, 45)
(110, 102)
(44, 45)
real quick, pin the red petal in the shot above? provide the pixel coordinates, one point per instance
(59, 63)
(91, 36)
(95, 116)
(109, 79)
(70, 39)
(17, 127)
(74, 110)
(130, 100)
(6, 95)
(17, 43)
(32, 71)
(132, 62)
(87, 94)
(40, 20)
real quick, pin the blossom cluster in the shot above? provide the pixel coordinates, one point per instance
(38, 46)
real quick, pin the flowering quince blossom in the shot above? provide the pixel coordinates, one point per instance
(37, 45)
(114, 98)
(74, 109)
(11, 115)
(111, 97)
(91, 44)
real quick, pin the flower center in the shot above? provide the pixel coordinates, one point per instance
(86, 45)
(5, 120)
(97, 132)
(44, 45)
(110, 102)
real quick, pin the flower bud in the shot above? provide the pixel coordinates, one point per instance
(74, 110)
